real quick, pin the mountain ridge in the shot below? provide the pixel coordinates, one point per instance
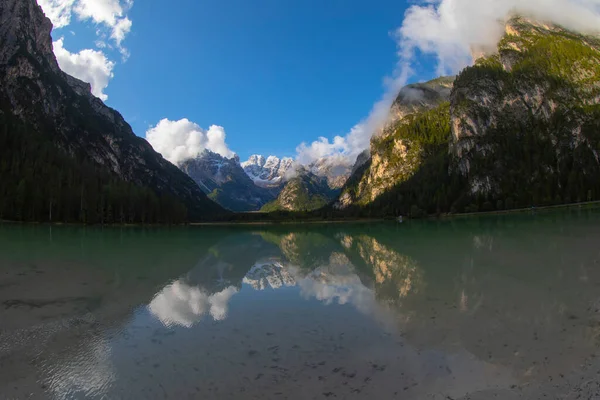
(58, 120)
(225, 182)
(519, 128)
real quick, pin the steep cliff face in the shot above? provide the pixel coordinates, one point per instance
(527, 116)
(304, 192)
(225, 182)
(58, 110)
(519, 128)
(399, 150)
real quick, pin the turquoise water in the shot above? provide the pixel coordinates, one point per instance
(493, 307)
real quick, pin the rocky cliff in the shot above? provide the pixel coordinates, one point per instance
(225, 182)
(519, 128)
(89, 146)
(525, 121)
(398, 151)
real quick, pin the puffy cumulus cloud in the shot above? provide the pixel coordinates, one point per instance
(90, 66)
(448, 30)
(320, 148)
(185, 305)
(108, 14)
(180, 140)
(111, 13)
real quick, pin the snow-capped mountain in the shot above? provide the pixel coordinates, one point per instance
(273, 171)
(225, 182)
(268, 172)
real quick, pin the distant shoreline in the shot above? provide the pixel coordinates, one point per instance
(520, 210)
(292, 222)
(587, 204)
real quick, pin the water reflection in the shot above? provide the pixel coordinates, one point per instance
(181, 304)
(270, 274)
(504, 307)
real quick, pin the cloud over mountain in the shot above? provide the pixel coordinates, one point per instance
(112, 25)
(448, 30)
(180, 140)
(90, 66)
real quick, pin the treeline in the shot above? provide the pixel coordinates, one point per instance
(39, 182)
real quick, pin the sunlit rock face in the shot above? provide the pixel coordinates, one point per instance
(185, 305)
(393, 158)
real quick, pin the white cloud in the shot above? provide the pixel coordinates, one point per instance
(90, 66)
(180, 140)
(59, 11)
(112, 22)
(109, 14)
(448, 30)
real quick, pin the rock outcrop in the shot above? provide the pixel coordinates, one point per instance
(394, 156)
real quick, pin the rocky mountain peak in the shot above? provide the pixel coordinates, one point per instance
(255, 159)
(224, 180)
(24, 27)
(267, 172)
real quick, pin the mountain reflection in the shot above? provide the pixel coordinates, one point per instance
(439, 285)
(333, 269)
(270, 274)
(458, 306)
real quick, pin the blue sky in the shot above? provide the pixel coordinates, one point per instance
(273, 73)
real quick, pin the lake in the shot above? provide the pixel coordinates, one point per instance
(503, 307)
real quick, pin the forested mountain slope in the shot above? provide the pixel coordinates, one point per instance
(520, 128)
(64, 155)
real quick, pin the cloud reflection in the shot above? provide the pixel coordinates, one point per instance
(185, 305)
